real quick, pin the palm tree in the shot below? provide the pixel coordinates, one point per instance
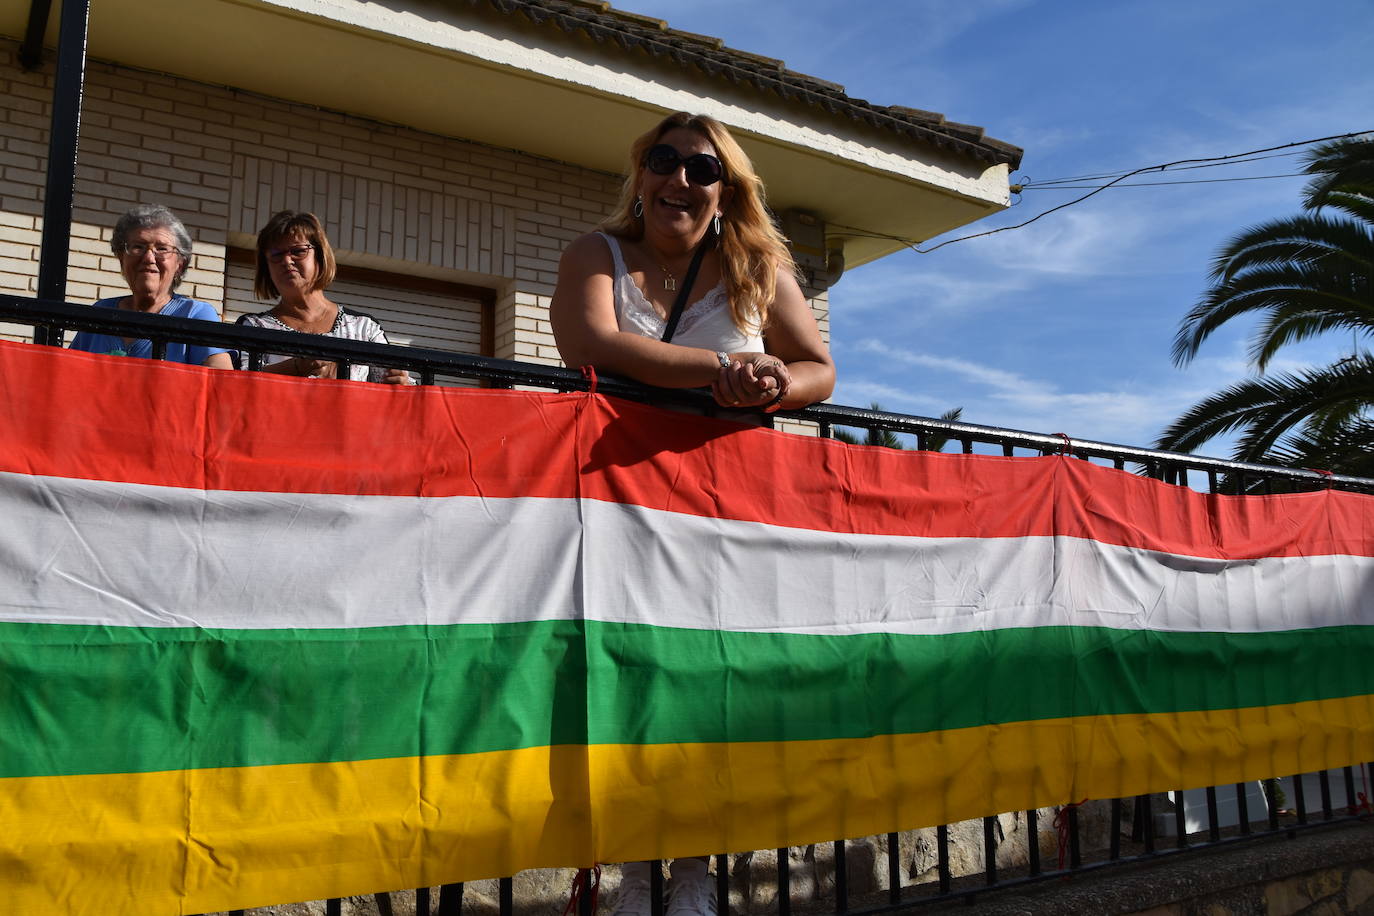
(1306, 275)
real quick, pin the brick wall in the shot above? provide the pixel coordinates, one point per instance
(391, 198)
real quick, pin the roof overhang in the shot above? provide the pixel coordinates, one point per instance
(467, 70)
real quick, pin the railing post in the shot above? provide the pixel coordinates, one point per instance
(1299, 799)
(586, 901)
(842, 878)
(450, 899)
(60, 189)
(723, 884)
(1181, 819)
(942, 856)
(505, 893)
(894, 868)
(784, 883)
(655, 887)
(1114, 851)
(990, 850)
(1075, 852)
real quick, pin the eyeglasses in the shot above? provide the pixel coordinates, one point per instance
(160, 250)
(702, 168)
(295, 253)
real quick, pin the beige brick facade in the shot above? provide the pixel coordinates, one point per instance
(392, 198)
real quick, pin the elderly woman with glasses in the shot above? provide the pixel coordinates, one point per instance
(691, 199)
(689, 284)
(154, 250)
(296, 264)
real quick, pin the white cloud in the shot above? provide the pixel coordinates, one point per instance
(932, 24)
(914, 290)
(1083, 241)
(1131, 412)
(993, 396)
(861, 393)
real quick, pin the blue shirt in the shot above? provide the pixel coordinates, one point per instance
(179, 307)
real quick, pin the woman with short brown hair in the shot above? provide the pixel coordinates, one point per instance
(296, 263)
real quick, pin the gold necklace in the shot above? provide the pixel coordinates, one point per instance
(669, 281)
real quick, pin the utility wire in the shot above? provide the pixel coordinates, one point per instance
(915, 246)
(1031, 182)
(1153, 184)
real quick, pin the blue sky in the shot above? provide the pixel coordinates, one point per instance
(1065, 326)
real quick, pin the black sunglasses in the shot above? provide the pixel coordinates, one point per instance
(702, 168)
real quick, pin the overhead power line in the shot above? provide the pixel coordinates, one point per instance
(1152, 184)
(1098, 189)
(1239, 159)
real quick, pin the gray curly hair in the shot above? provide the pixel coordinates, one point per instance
(154, 216)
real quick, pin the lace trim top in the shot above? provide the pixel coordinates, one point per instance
(348, 325)
(706, 323)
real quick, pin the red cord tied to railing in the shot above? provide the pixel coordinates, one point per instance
(1324, 472)
(1061, 825)
(587, 880)
(1364, 807)
(589, 373)
(1067, 447)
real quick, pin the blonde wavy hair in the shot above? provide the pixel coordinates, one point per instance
(752, 250)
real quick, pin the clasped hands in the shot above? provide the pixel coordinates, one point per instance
(751, 380)
(323, 368)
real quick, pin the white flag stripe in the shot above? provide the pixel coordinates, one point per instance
(95, 552)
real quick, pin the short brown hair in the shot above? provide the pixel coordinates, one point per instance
(284, 225)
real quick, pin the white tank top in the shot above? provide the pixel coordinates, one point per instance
(705, 323)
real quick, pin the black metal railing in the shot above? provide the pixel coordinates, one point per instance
(1141, 843)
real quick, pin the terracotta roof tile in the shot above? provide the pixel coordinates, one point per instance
(632, 31)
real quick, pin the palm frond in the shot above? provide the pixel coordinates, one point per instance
(938, 443)
(1347, 448)
(1303, 237)
(1339, 167)
(1268, 408)
(1302, 264)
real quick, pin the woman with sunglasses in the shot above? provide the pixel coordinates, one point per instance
(296, 263)
(744, 328)
(154, 250)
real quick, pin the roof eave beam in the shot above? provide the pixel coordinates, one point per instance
(31, 50)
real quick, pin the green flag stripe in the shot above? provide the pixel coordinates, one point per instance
(96, 699)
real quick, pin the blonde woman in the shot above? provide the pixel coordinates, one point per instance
(745, 328)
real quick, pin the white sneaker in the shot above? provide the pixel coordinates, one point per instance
(692, 894)
(635, 897)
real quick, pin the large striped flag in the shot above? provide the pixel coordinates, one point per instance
(267, 639)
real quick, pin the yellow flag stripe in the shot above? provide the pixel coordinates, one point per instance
(202, 840)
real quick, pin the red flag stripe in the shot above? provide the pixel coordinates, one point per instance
(143, 422)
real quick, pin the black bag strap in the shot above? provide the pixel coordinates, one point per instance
(687, 282)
